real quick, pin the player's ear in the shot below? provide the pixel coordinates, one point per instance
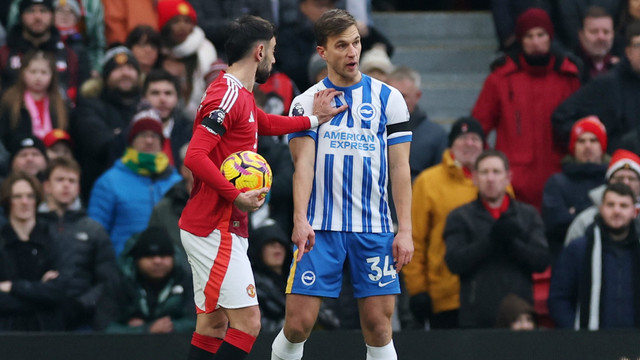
(320, 50)
(260, 50)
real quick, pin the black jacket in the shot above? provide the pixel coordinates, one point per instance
(613, 97)
(180, 135)
(32, 305)
(270, 286)
(565, 195)
(98, 128)
(133, 296)
(490, 268)
(87, 244)
(166, 214)
(23, 128)
(280, 200)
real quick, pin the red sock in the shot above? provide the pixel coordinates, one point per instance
(207, 343)
(240, 339)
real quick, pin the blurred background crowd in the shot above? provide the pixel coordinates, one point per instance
(525, 205)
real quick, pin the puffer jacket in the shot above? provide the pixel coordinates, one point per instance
(122, 201)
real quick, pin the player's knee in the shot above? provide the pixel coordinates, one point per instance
(250, 324)
(299, 328)
(378, 325)
(253, 327)
(214, 325)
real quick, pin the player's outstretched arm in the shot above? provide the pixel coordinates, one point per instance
(303, 151)
(322, 107)
(401, 186)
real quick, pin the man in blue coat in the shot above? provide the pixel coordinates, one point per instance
(596, 281)
(123, 197)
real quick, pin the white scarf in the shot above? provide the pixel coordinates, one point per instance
(596, 284)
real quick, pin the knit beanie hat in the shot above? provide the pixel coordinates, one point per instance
(26, 142)
(623, 159)
(117, 56)
(465, 125)
(588, 124)
(56, 135)
(25, 4)
(533, 18)
(168, 9)
(145, 120)
(73, 4)
(151, 242)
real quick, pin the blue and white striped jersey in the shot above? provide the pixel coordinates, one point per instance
(351, 171)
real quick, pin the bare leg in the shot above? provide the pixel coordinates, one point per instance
(245, 319)
(213, 324)
(207, 339)
(244, 326)
(301, 314)
(375, 320)
(302, 311)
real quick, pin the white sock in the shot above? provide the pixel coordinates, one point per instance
(283, 349)
(387, 352)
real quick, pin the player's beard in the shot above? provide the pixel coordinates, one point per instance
(263, 72)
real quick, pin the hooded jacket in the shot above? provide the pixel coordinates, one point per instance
(517, 100)
(270, 286)
(134, 297)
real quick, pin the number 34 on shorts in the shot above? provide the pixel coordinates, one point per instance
(377, 272)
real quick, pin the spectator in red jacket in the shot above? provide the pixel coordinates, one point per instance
(518, 98)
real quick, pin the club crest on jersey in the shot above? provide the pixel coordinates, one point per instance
(251, 290)
(298, 110)
(213, 123)
(366, 111)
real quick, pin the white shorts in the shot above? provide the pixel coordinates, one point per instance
(222, 275)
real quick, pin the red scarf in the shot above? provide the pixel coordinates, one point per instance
(496, 212)
(466, 171)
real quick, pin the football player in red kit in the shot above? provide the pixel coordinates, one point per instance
(214, 223)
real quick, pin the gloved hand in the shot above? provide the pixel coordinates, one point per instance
(505, 229)
(421, 307)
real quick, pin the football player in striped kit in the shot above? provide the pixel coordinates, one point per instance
(341, 209)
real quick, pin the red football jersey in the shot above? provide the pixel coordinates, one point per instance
(227, 121)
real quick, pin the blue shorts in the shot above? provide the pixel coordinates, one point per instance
(369, 257)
